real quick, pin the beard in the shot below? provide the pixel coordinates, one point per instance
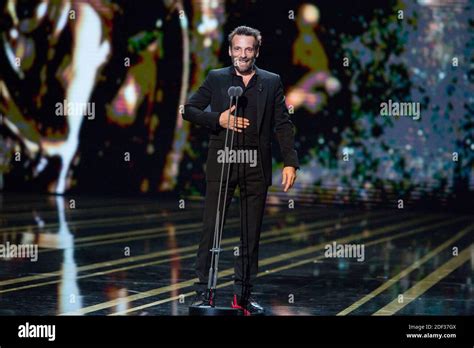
(244, 66)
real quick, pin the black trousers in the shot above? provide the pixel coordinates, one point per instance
(253, 194)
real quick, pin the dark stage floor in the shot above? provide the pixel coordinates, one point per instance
(134, 256)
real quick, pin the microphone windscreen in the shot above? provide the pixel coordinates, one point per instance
(231, 91)
(238, 91)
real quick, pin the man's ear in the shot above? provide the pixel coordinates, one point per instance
(258, 52)
(230, 51)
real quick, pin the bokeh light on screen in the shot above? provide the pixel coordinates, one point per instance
(137, 62)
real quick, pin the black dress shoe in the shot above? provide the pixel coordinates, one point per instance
(248, 305)
(201, 299)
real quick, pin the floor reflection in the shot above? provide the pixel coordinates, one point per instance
(69, 297)
(135, 256)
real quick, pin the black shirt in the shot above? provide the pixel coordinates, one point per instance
(247, 108)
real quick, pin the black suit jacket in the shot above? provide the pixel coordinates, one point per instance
(272, 116)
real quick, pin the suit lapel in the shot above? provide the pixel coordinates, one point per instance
(227, 82)
(262, 91)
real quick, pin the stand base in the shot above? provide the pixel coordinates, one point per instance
(212, 311)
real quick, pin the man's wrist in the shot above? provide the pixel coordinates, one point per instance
(292, 166)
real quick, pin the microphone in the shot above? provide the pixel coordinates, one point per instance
(238, 91)
(231, 91)
(260, 87)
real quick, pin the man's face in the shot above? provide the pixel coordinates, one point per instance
(243, 53)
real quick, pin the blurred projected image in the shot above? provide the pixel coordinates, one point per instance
(380, 93)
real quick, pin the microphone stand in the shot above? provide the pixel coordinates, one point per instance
(210, 308)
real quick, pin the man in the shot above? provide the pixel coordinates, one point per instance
(261, 109)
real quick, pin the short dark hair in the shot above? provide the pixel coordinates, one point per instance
(247, 31)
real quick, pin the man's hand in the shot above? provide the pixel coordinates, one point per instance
(288, 177)
(241, 122)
